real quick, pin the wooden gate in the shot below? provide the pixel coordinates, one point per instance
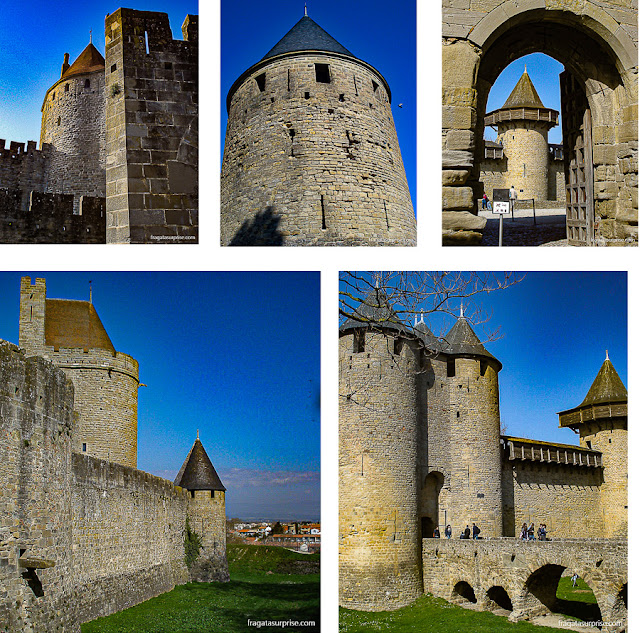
(578, 161)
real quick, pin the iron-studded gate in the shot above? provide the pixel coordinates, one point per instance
(578, 161)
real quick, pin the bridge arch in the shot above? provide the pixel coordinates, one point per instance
(463, 592)
(498, 596)
(600, 58)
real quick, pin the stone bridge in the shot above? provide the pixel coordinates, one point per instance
(522, 577)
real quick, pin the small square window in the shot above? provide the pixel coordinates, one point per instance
(261, 80)
(84, 447)
(114, 67)
(323, 76)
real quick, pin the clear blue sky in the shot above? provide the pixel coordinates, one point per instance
(235, 355)
(544, 72)
(380, 34)
(555, 328)
(35, 35)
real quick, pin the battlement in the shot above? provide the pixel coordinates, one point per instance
(79, 358)
(48, 218)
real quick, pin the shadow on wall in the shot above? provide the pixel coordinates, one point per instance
(262, 231)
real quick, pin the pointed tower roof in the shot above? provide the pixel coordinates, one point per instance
(607, 387)
(606, 398)
(89, 61)
(461, 340)
(427, 336)
(524, 94)
(306, 35)
(375, 310)
(197, 472)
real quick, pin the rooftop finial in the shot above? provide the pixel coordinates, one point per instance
(525, 67)
(305, 8)
(198, 434)
(90, 36)
(607, 354)
(90, 292)
(461, 309)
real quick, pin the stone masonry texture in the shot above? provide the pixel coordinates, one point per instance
(309, 163)
(597, 41)
(81, 537)
(420, 447)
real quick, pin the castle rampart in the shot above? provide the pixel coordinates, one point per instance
(152, 115)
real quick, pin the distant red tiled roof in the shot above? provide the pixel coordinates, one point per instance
(90, 60)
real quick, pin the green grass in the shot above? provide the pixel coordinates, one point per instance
(577, 602)
(580, 593)
(260, 589)
(433, 615)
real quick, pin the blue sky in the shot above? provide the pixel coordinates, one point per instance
(33, 39)
(554, 328)
(384, 39)
(235, 355)
(544, 72)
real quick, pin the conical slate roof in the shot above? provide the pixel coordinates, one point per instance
(607, 387)
(427, 336)
(90, 60)
(197, 472)
(523, 95)
(375, 310)
(462, 340)
(306, 35)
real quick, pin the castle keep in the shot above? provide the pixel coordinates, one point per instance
(597, 41)
(311, 153)
(82, 532)
(420, 447)
(118, 144)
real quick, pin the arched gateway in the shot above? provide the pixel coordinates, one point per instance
(597, 43)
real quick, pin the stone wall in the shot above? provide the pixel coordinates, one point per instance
(23, 170)
(73, 125)
(379, 538)
(49, 218)
(597, 42)
(152, 118)
(311, 163)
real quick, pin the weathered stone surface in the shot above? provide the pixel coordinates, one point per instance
(454, 177)
(462, 221)
(454, 198)
(461, 238)
(460, 140)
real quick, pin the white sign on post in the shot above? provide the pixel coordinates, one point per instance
(501, 208)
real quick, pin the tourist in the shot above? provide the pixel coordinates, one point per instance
(436, 532)
(542, 532)
(513, 196)
(467, 532)
(524, 532)
(531, 533)
(447, 531)
(485, 200)
(574, 579)
(476, 531)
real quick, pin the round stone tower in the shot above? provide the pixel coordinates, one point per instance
(74, 124)
(379, 545)
(311, 153)
(523, 129)
(601, 420)
(474, 421)
(71, 336)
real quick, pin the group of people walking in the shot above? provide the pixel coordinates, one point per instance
(528, 533)
(466, 533)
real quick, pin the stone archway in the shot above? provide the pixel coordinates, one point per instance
(430, 504)
(595, 46)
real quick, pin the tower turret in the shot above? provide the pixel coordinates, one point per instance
(378, 424)
(71, 335)
(206, 512)
(311, 154)
(474, 421)
(601, 421)
(523, 125)
(74, 125)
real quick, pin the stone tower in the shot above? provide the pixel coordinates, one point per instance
(601, 420)
(71, 336)
(206, 512)
(379, 540)
(523, 129)
(74, 125)
(474, 421)
(311, 152)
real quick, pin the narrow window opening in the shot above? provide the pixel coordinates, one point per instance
(375, 86)
(87, 84)
(212, 494)
(397, 346)
(292, 133)
(193, 494)
(306, 95)
(323, 76)
(58, 120)
(53, 96)
(289, 80)
(386, 214)
(66, 87)
(451, 368)
(341, 98)
(483, 367)
(355, 85)
(33, 581)
(457, 414)
(358, 342)
(114, 67)
(261, 80)
(589, 443)
(31, 317)
(324, 220)
(273, 99)
(84, 447)
(146, 42)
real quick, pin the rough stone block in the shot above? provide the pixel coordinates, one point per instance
(462, 220)
(454, 198)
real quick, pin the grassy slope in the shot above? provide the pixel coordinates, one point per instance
(257, 591)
